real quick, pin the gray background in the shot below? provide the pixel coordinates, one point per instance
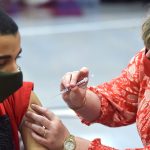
(103, 39)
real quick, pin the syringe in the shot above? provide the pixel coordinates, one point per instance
(81, 82)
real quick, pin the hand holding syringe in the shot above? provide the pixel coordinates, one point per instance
(81, 82)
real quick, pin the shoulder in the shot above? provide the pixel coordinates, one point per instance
(135, 68)
(138, 57)
(28, 97)
(20, 100)
(33, 100)
(22, 95)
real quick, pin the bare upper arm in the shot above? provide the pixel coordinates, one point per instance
(29, 142)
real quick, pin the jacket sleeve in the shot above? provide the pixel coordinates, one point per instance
(96, 145)
(21, 102)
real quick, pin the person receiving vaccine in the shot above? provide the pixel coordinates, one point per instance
(16, 95)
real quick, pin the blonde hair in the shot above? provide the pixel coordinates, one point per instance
(146, 33)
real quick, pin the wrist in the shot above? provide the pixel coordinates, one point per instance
(70, 143)
(94, 144)
(76, 108)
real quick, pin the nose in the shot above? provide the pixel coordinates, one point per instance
(15, 68)
(12, 68)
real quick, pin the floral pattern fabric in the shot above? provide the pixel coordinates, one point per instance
(126, 100)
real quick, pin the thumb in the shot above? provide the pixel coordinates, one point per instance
(84, 72)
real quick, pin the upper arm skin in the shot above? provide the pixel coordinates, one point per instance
(29, 142)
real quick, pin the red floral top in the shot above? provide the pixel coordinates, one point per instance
(126, 100)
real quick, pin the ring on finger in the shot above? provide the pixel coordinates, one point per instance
(44, 132)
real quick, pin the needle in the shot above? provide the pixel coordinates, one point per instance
(80, 83)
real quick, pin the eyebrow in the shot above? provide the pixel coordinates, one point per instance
(9, 56)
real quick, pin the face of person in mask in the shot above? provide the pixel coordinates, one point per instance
(10, 76)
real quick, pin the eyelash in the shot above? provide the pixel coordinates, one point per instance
(19, 56)
(3, 63)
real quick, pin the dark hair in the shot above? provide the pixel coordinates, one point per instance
(7, 24)
(146, 33)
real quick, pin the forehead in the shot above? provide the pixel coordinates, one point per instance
(9, 44)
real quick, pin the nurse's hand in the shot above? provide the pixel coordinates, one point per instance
(46, 128)
(75, 96)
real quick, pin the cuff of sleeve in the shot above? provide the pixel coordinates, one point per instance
(146, 62)
(84, 121)
(95, 144)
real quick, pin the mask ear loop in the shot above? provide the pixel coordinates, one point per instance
(18, 68)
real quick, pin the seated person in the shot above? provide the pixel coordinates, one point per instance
(15, 95)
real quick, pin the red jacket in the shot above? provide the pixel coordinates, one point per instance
(15, 107)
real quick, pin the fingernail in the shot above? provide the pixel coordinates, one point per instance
(33, 105)
(26, 123)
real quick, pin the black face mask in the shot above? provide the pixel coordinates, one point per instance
(9, 83)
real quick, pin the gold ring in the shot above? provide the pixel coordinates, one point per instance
(44, 134)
